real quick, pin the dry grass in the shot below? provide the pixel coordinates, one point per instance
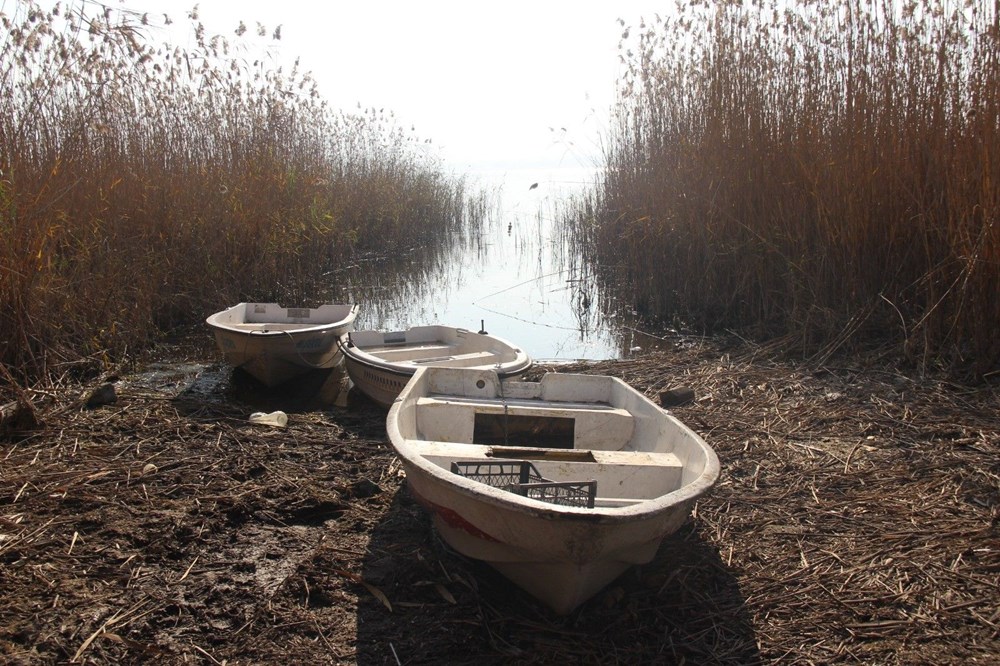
(825, 172)
(143, 186)
(856, 521)
(858, 507)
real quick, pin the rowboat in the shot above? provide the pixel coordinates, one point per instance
(381, 363)
(274, 343)
(561, 484)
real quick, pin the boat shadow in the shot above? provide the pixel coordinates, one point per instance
(684, 606)
(313, 390)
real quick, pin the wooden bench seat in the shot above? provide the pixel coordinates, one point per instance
(409, 352)
(458, 360)
(595, 425)
(614, 502)
(457, 450)
(618, 473)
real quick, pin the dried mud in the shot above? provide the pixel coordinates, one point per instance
(856, 520)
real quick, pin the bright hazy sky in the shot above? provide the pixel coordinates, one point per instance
(484, 80)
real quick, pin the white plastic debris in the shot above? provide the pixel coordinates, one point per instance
(279, 418)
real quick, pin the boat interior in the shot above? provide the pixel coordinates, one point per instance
(586, 443)
(469, 351)
(273, 315)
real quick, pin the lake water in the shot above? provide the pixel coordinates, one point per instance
(518, 280)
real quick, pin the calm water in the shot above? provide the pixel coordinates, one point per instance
(518, 279)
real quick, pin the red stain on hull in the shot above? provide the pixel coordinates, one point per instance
(452, 517)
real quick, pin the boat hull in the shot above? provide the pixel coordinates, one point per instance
(276, 346)
(380, 364)
(380, 384)
(562, 561)
(648, 470)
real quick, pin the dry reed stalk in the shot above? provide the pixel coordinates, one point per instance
(821, 171)
(143, 186)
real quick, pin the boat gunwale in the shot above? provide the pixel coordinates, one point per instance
(297, 332)
(305, 329)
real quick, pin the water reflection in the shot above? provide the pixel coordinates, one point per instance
(516, 275)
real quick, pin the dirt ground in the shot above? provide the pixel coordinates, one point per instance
(856, 520)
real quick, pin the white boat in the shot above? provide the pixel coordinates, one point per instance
(381, 363)
(274, 343)
(561, 484)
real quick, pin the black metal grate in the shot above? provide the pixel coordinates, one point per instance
(522, 478)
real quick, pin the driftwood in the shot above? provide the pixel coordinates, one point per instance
(17, 417)
(677, 396)
(104, 394)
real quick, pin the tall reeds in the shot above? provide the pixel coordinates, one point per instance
(143, 186)
(826, 172)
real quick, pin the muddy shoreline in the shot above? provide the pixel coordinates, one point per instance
(856, 520)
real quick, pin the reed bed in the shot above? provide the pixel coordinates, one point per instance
(143, 185)
(856, 521)
(820, 172)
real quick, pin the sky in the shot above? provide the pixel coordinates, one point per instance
(493, 85)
